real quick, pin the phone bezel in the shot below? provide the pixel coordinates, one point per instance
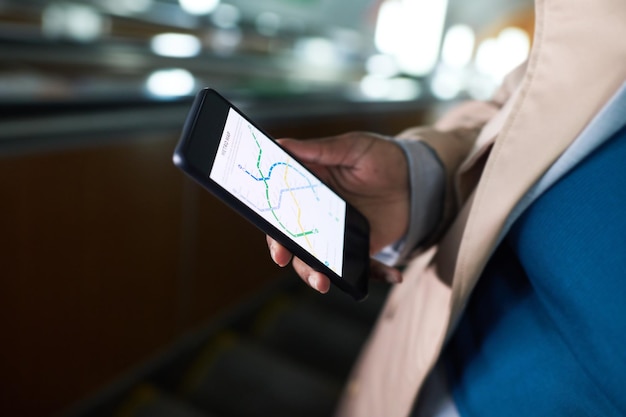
(195, 155)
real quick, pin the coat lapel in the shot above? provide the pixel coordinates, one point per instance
(575, 67)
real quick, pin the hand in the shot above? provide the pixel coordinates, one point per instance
(371, 173)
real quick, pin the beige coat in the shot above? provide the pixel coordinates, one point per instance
(577, 62)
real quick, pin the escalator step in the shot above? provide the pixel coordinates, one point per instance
(365, 311)
(313, 335)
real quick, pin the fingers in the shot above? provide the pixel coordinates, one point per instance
(279, 254)
(314, 279)
(382, 272)
(282, 257)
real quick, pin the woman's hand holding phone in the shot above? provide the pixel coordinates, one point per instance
(371, 173)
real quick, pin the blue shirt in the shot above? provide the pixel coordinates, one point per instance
(545, 330)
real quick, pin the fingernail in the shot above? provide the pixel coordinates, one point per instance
(273, 253)
(313, 282)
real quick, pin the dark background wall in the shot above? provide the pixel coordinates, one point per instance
(110, 255)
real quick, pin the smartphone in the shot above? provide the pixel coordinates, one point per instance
(230, 156)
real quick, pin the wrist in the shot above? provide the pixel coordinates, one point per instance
(426, 189)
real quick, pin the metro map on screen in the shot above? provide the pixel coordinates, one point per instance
(268, 180)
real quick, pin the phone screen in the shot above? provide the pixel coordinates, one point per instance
(255, 170)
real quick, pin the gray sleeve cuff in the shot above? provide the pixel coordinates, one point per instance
(427, 182)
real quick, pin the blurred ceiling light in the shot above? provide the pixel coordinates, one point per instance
(176, 45)
(173, 82)
(411, 31)
(374, 87)
(386, 37)
(226, 41)
(458, 46)
(495, 57)
(226, 16)
(487, 60)
(316, 51)
(447, 83)
(513, 46)
(199, 7)
(268, 23)
(404, 89)
(382, 65)
(394, 89)
(125, 7)
(72, 21)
